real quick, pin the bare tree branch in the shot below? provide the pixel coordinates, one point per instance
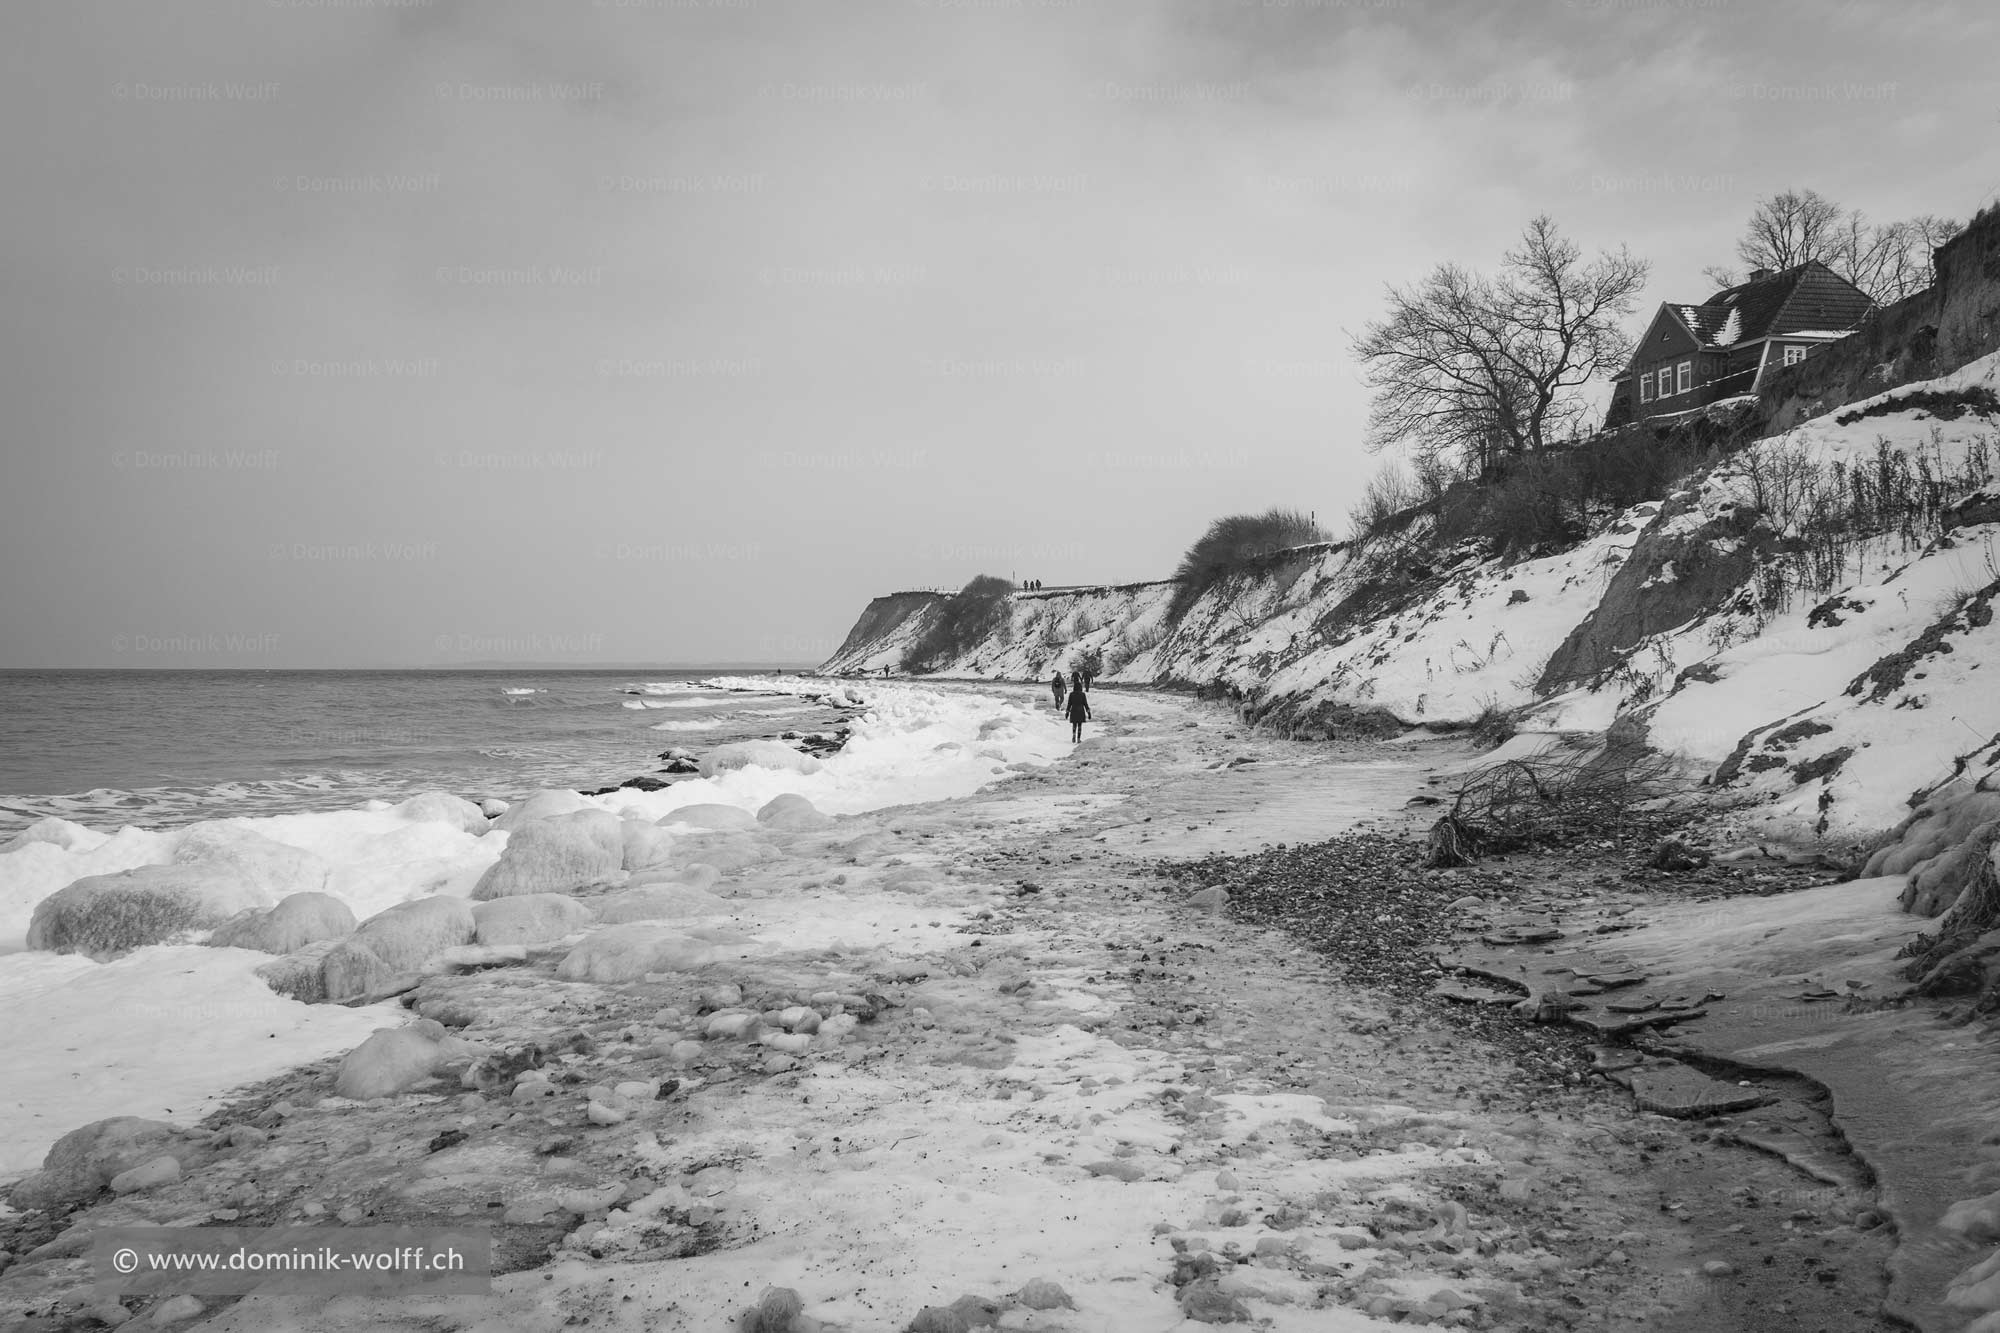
(1476, 369)
(1887, 260)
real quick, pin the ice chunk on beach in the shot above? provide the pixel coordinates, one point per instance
(542, 805)
(628, 952)
(298, 920)
(529, 918)
(556, 855)
(444, 808)
(62, 833)
(792, 813)
(708, 815)
(107, 915)
(757, 754)
(646, 845)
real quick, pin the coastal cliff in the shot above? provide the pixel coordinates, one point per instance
(1837, 573)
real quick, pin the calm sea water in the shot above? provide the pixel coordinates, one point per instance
(158, 748)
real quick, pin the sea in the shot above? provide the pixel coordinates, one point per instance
(163, 748)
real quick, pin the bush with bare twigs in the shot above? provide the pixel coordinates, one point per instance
(1232, 545)
(1560, 798)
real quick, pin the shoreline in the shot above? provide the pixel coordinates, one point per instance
(1042, 982)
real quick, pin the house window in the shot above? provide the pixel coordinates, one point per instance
(1687, 376)
(1666, 381)
(1794, 355)
(1646, 387)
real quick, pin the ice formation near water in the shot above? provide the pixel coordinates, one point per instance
(170, 1025)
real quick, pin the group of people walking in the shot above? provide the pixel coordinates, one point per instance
(1031, 585)
(1078, 708)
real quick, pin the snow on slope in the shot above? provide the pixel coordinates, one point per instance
(1314, 634)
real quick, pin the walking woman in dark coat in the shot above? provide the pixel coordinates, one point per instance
(1056, 688)
(1078, 713)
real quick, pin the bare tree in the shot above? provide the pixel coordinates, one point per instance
(1887, 260)
(1471, 370)
(1893, 260)
(1788, 229)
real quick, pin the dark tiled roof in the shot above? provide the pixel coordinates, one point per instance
(1808, 296)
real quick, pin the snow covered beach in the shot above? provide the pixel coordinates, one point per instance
(1043, 1087)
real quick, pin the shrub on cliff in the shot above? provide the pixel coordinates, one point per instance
(1234, 544)
(1553, 499)
(974, 611)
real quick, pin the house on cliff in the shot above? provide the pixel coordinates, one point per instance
(1695, 355)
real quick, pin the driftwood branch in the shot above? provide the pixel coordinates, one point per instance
(1548, 800)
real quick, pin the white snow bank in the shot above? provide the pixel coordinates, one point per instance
(370, 859)
(911, 745)
(157, 1034)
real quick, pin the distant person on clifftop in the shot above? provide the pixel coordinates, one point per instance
(1078, 713)
(1056, 688)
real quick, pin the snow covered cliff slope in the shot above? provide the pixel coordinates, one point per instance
(1806, 621)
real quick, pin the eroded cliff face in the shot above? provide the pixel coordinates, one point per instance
(886, 623)
(1708, 622)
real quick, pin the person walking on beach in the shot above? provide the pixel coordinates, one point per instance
(1056, 688)
(1078, 713)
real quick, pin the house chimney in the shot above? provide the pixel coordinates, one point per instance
(1759, 274)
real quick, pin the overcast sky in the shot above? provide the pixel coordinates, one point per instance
(638, 330)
